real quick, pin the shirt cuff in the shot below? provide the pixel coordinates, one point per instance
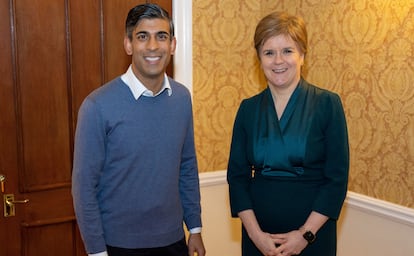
(99, 254)
(196, 230)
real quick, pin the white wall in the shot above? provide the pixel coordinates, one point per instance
(367, 226)
(221, 233)
(370, 226)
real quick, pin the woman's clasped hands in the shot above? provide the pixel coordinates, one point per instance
(286, 244)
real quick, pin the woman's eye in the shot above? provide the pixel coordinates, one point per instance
(268, 53)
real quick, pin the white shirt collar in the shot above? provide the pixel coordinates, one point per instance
(138, 89)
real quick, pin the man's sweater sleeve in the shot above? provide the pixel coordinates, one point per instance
(189, 180)
(89, 151)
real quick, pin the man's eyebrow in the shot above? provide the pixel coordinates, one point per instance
(157, 33)
(141, 32)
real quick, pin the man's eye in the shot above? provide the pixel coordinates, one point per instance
(142, 37)
(162, 37)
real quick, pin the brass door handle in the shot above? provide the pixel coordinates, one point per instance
(9, 202)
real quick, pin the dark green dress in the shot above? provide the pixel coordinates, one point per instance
(285, 169)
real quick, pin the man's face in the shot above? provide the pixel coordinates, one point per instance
(151, 48)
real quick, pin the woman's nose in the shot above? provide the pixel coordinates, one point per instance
(278, 58)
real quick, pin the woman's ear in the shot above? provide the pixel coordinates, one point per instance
(127, 45)
(302, 59)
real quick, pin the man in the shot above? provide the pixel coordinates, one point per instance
(135, 177)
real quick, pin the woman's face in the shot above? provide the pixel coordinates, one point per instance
(281, 61)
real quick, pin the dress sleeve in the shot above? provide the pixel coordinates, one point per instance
(239, 169)
(336, 169)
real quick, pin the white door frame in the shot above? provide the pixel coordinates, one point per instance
(183, 57)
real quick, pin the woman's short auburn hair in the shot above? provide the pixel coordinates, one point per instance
(281, 23)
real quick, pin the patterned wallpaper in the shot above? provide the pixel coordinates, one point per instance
(361, 49)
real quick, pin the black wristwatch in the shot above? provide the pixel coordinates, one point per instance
(309, 236)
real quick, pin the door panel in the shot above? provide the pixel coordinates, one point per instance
(9, 230)
(49, 239)
(42, 94)
(52, 54)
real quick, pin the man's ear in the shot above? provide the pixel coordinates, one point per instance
(173, 45)
(127, 45)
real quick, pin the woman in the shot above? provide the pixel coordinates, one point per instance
(289, 157)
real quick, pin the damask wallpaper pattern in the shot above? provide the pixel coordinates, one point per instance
(361, 49)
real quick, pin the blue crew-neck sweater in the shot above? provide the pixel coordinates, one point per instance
(135, 176)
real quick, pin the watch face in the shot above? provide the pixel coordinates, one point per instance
(309, 236)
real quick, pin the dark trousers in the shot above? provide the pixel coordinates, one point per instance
(176, 249)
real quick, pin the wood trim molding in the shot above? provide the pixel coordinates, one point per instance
(380, 208)
(213, 178)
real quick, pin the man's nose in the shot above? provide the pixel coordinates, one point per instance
(153, 42)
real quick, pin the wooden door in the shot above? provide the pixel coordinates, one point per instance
(52, 54)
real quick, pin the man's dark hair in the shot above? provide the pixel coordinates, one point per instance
(146, 11)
